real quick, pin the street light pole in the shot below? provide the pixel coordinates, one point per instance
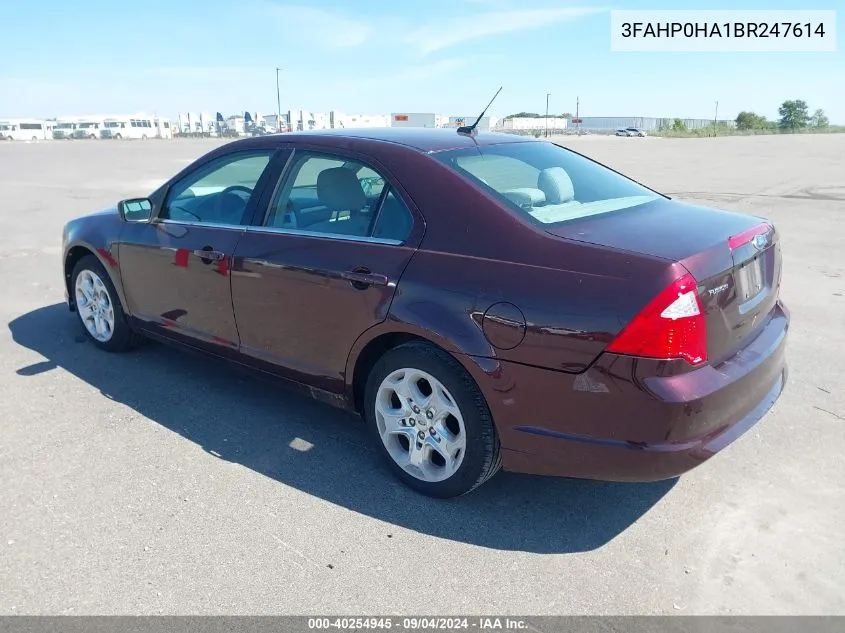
(577, 113)
(278, 103)
(716, 119)
(548, 94)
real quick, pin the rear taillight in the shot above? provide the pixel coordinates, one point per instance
(741, 239)
(672, 325)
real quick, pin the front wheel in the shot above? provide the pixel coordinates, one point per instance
(118, 136)
(431, 421)
(98, 307)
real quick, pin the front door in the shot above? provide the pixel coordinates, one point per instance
(176, 269)
(321, 268)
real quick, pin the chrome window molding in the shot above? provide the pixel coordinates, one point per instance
(330, 236)
(295, 232)
(211, 225)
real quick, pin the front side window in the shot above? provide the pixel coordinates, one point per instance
(338, 197)
(545, 182)
(219, 191)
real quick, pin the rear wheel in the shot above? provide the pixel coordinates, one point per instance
(143, 137)
(118, 136)
(430, 421)
(34, 138)
(98, 307)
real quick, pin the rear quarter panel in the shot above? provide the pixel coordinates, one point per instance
(487, 283)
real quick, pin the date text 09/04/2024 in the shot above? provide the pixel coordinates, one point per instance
(723, 30)
(418, 623)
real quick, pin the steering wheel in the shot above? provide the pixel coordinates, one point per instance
(233, 188)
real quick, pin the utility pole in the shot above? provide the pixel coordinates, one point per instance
(548, 94)
(577, 116)
(716, 119)
(278, 103)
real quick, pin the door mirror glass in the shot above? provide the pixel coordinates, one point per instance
(135, 210)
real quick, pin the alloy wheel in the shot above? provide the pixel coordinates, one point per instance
(420, 424)
(94, 305)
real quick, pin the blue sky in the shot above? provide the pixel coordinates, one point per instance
(377, 56)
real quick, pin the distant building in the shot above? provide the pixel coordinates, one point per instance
(534, 123)
(341, 120)
(649, 124)
(484, 125)
(417, 119)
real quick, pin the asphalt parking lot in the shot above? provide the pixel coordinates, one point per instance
(159, 482)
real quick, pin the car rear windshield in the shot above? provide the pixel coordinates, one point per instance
(545, 182)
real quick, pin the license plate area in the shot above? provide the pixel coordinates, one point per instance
(750, 279)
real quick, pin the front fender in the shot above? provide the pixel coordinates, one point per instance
(96, 234)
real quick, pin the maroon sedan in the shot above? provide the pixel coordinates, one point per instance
(483, 301)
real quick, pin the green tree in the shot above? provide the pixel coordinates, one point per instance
(750, 121)
(819, 119)
(793, 114)
(679, 126)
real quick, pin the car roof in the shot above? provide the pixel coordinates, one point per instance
(422, 139)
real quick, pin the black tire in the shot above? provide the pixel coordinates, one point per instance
(123, 338)
(118, 136)
(482, 456)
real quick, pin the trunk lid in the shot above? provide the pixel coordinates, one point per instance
(734, 258)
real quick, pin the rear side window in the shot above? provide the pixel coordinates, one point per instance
(334, 196)
(545, 182)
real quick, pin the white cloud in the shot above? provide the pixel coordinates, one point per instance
(322, 27)
(431, 38)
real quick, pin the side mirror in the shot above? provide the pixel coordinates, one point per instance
(135, 210)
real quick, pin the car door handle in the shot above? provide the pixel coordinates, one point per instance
(208, 254)
(362, 278)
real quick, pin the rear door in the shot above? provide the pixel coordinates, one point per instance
(321, 265)
(176, 268)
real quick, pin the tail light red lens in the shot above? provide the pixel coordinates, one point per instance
(671, 326)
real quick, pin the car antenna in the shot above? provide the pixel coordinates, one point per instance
(470, 129)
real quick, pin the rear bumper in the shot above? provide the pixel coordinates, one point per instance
(629, 419)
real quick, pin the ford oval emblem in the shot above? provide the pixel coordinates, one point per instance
(760, 242)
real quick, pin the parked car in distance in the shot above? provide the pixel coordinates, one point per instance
(623, 132)
(634, 131)
(481, 300)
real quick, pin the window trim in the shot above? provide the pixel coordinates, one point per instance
(232, 157)
(389, 185)
(320, 235)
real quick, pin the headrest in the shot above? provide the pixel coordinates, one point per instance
(556, 184)
(525, 196)
(338, 188)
